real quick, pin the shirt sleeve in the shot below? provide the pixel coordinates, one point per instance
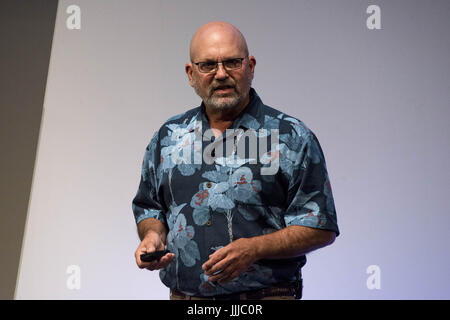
(146, 203)
(310, 199)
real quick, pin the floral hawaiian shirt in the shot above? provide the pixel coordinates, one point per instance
(264, 173)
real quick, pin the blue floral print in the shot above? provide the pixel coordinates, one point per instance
(207, 205)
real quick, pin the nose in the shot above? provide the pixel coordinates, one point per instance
(221, 73)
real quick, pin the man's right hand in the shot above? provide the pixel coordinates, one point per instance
(152, 242)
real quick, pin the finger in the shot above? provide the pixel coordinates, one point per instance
(209, 263)
(230, 275)
(149, 248)
(223, 273)
(229, 278)
(214, 258)
(220, 277)
(219, 266)
(166, 260)
(145, 265)
(162, 262)
(141, 264)
(143, 248)
(153, 265)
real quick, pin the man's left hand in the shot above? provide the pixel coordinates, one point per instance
(230, 261)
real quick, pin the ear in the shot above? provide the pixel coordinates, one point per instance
(252, 64)
(188, 68)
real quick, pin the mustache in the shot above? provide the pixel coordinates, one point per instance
(222, 86)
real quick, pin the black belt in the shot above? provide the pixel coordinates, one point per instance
(290, 290)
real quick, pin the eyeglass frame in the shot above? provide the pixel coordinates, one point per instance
(217, 64)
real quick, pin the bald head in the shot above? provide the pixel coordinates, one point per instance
(225, 90)
(213, 37)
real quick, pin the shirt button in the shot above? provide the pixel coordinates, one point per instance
(208, 223)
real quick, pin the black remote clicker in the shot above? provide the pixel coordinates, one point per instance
(152, 256)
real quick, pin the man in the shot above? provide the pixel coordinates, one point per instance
(236, 227)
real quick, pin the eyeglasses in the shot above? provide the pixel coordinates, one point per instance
(211, 66)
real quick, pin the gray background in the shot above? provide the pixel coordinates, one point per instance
(378, 100)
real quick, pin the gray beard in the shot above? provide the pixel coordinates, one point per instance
(219, 104)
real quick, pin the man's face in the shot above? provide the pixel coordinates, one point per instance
(221, 90)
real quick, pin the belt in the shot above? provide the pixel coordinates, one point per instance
(290, 290)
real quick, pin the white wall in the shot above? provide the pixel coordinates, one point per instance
(378, 100)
